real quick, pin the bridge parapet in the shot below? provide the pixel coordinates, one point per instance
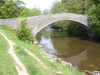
(37, 23)
(13, 22)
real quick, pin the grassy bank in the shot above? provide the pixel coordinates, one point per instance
(33, 66)
(6, 63)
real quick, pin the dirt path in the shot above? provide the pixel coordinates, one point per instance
(36, 58)
(19, 65)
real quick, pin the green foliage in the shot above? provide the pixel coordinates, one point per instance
(15, 8)
(30, 12)
(24, 33)
(56, 8)
(62, 24)
(10, 8)
(71, 6)
(76, 29)
(95, 1)
(76, 6)
(94, 13)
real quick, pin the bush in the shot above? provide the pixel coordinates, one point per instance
(94, 13)
(77, 29)
(24, 33)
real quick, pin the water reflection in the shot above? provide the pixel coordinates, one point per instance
(84, 55)
(46, 41)
(81, 53)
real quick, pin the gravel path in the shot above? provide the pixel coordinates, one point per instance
(19, 65)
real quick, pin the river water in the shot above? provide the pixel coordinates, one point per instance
(84, 55)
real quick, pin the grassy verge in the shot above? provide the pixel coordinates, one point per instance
(33, 67)
(6, 63)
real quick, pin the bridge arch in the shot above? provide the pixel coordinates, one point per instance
(37, 23)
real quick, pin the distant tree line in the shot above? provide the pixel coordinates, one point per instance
(90, 8)
(16, 8)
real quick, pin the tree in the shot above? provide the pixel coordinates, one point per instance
(10, 8)
(95, 2)
(24, 33)
(30, 12)
(76, 6)
(94, 13)
(56, 8)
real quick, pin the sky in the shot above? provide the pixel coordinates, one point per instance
(42, 4)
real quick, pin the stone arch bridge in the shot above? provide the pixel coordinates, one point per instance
(37, 23)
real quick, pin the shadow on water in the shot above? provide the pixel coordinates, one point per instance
(83, 54)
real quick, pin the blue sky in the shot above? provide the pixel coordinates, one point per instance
(42, 4)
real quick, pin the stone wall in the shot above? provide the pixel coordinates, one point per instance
(13, 23)
(37, 23)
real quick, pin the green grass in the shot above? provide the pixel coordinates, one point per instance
(31, 64)
(7, 66)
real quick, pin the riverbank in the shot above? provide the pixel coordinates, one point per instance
(82, 54)
(53, 66)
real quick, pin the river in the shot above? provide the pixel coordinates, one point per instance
(83, 54)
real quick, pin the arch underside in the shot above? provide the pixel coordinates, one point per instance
(55, 18)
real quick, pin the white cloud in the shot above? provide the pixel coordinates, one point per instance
(42, 4)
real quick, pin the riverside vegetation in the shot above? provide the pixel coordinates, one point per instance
(33, 66)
